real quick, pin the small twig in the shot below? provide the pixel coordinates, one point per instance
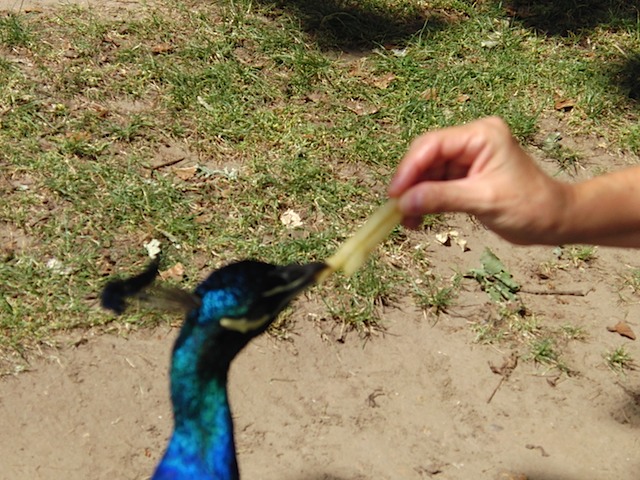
(505, 371)
(495, 390)
(371, 399)
(167, 164)
(544, 453)
(172, 238)
(576, 293)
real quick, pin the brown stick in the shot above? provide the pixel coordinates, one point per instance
(167, 164)
(495, 389)
(576, 293)
(505, 371)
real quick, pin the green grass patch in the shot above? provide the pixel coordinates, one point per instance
(14, 32)
(274, 106)
(619, 360)
(435, 295)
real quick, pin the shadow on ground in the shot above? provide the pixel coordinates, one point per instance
(628, 76)
(353, 25)
(570, 17)
(628, 412)
(577, 19)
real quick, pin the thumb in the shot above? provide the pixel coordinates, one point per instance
(441, 196)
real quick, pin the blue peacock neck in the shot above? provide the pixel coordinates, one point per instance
(202, 445)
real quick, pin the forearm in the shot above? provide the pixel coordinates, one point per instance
(603, 211)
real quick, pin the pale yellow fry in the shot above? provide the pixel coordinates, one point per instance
(355, 251)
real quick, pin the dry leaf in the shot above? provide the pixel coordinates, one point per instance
(511, 476)
(174, 273)
(564, 104)
(358, 68)
(384, 81)
(508, 366)
(315, 97)
(291, 219)
(452, 236)
(489, 43)
(443, 238)
(56, 266)
(162, 48)
(100, 110)
(361, 108)
(462, 243)
(492, 41)
(622, 328)
(81, 136)
(206, 217)
(71, 53)
(185, 173)
(462, 98)
(204, 103)
(247, 56)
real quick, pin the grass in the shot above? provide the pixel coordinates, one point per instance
(582, 254)
(360, 301)
(545, 351)
(261, 98)
(14, 32)
(510, 321)
(619, 360)
(568, 160)
(573, 332)
(435, 295)
(632, 280)
(539, 343)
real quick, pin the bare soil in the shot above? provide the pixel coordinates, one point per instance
(411, 403)
(419, 401)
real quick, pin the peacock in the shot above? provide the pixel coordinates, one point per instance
(234, 304)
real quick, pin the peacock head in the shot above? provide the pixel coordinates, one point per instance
(234, 304)
(246, 296)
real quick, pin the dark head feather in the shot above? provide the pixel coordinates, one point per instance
(140, 287)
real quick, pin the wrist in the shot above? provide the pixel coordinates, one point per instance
(601, 211)
(565, 219)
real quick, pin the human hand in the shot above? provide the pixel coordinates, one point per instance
(479, 168)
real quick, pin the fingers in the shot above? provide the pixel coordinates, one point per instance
(435, 197)
(449, 154)
(423, 161)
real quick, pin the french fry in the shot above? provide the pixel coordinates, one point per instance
(354, 252)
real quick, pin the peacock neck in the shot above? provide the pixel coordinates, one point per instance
(202, 445)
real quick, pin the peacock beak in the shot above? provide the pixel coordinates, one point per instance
(294, 278)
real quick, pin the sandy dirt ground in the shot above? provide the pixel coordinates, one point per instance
(413, 403)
